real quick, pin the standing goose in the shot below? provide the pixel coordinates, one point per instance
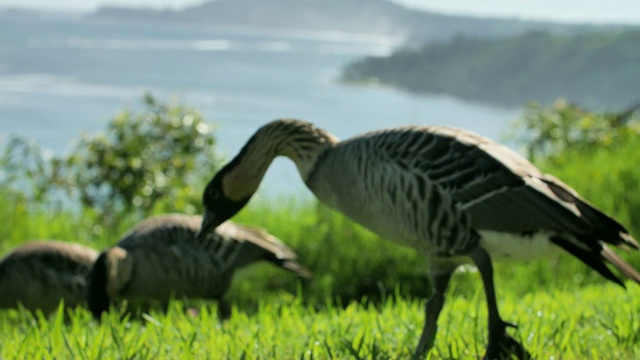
(161, 257)
(454, 196)
(38, 274)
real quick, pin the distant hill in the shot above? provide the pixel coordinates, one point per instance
(374, 17)
(593, 69)
(17, 12)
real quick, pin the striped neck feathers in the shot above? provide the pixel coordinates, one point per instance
(298, 140)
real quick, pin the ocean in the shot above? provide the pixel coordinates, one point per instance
(62, 76)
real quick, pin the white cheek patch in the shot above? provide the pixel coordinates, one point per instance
(119, 268)
(517, 247)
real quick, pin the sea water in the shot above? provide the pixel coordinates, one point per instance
(61, 76)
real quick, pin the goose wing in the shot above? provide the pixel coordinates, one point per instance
(162, 230)
(503, 192)
(252, 245)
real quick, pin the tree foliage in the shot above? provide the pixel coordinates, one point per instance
(144, 160)
(545, 132)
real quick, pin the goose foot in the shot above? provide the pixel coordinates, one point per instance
(503, 346)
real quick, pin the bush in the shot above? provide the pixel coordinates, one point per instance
(546, 132)
(145, 161)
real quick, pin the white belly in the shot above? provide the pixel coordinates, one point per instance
(514, 247)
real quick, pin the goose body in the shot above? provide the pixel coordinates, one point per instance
(161, 258)
(454, 196)
(39, 274)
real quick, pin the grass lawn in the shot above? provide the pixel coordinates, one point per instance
(593, 322)
(365, 301)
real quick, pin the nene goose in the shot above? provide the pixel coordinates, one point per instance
(161, 258)
(454, 196)
(38, 274)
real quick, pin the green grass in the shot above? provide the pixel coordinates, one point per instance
(594, 322)
(366, 301)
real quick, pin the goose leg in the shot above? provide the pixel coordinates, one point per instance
(224, 310)
(439, 283)
(501, 345)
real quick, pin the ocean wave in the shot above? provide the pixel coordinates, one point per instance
(46, 84)
(66, 86)
(148, 44)
(218, 44)
(317, 35)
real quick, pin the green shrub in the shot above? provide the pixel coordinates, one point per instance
(146, 161)
(546, 132)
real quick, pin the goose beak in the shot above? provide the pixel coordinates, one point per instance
(209, 225)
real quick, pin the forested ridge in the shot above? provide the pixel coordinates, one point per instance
(371, 17)
(598, 70)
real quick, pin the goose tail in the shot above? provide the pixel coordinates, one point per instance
(615, 260)
(297, 269)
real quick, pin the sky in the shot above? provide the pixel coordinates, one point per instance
(591, 11)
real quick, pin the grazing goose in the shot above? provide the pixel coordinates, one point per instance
(454, 196)
(161, 257)
(38, 274)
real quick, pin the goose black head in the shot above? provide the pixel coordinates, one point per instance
(98, 300)
(219, 204)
